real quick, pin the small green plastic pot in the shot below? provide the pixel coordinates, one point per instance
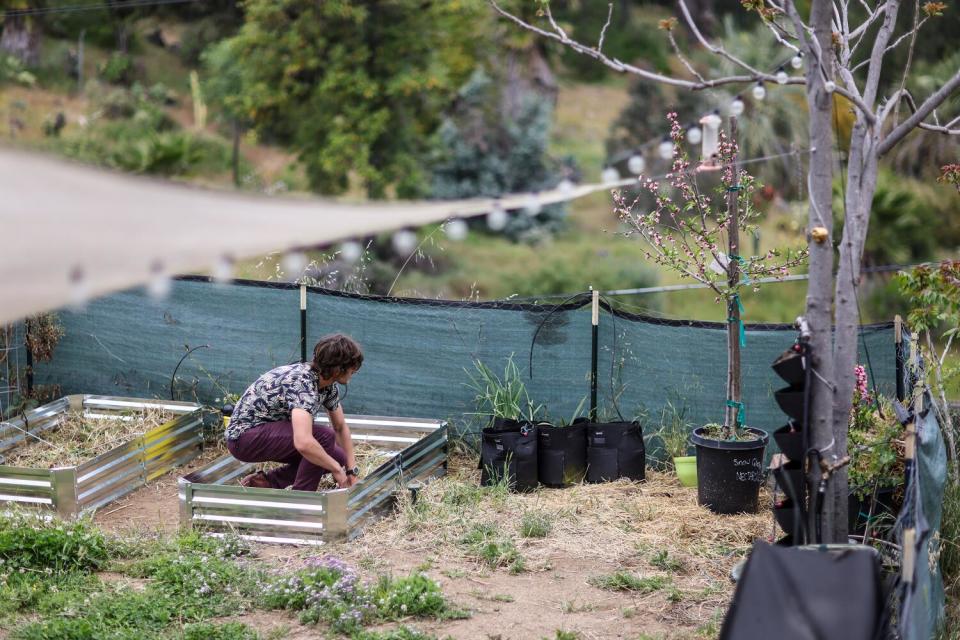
(686, 467)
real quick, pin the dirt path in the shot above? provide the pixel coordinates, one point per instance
(652, 530)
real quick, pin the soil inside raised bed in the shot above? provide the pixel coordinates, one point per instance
(79, 438)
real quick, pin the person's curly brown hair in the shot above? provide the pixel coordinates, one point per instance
(336, 354)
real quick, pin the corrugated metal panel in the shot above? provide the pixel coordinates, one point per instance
(304, 518)
(74, 490)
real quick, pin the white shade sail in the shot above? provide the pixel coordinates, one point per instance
(60, 221)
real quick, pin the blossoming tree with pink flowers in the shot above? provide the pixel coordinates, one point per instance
(698, 236)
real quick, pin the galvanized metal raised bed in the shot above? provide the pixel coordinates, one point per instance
(211, 498)
(73, 490)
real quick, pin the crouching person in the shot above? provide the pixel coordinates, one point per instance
(273, 420)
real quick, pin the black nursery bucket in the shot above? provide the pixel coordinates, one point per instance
(562, 453)
(729, 474)
(615, 450)
(509, 450)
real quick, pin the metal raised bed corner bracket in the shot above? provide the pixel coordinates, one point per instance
(212, 499)
(74, 490)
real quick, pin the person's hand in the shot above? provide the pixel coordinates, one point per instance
(342, 479)
(353, 479)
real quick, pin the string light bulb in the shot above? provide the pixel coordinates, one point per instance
(532, 206)
(759, 92)
(351, 251)
(160, 283)
(610, 175)
(797, 61)
(404, 242)
(79, 289)
(782, 76)
(665, 149)
(565, 187)
(456, 230)
(829, 86)
(293, 264)
(636, 164)
(223, 270)
(694, 135)
(736, 106)
(497, 218)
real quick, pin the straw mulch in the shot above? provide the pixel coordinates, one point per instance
(623, 523)
(80, 438)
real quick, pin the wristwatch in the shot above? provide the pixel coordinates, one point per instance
(354, 471)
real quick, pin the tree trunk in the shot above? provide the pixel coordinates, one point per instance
(733, 414)
(862, 174)
(21, 39)
(819, 292)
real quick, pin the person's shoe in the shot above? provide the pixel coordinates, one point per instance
(257, 480)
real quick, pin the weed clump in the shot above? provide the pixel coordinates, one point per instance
(30, 543)
(624, 581)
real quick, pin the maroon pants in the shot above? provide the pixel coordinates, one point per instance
(273, 442)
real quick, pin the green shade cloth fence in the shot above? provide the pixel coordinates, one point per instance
(418, 352)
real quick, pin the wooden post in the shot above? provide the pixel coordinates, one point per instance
(898, 352)
(595, 331)
(303, 323)
(733, 308)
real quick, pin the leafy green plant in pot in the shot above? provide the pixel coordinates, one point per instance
(698, 236)
(508, 445)
(674, 433)
(876, 445)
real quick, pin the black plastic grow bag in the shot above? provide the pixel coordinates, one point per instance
(615, 450)
(562, 453)
(509, 450)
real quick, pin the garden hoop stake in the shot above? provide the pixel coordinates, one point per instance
(177, 368)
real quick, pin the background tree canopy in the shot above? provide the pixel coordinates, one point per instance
(352, 85)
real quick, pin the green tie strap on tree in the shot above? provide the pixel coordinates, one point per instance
(731, 318)
(741, 411)
(743, 264)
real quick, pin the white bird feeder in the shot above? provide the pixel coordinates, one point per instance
(711, 136)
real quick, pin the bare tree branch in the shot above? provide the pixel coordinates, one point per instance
(894, 45)
(712, 48)
(780, 33)
(872, 16)
(606, 25)
(931, 103)
(683, 58)
(879, 49)
(906, 67)
(560, 36)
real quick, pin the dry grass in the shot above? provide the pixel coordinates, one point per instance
(621, 522)
(368, 459)
(80, 438)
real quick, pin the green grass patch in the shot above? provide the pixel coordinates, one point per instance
(487, 543)
(625, 581)
(212, 631)
(662, 560)
(30, 544)
(535, 524)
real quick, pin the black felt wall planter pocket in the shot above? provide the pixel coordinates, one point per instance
(615, 450)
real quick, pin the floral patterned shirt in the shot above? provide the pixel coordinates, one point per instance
(274, 395)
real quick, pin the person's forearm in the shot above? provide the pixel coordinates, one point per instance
(315, 453)
(345, 440)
